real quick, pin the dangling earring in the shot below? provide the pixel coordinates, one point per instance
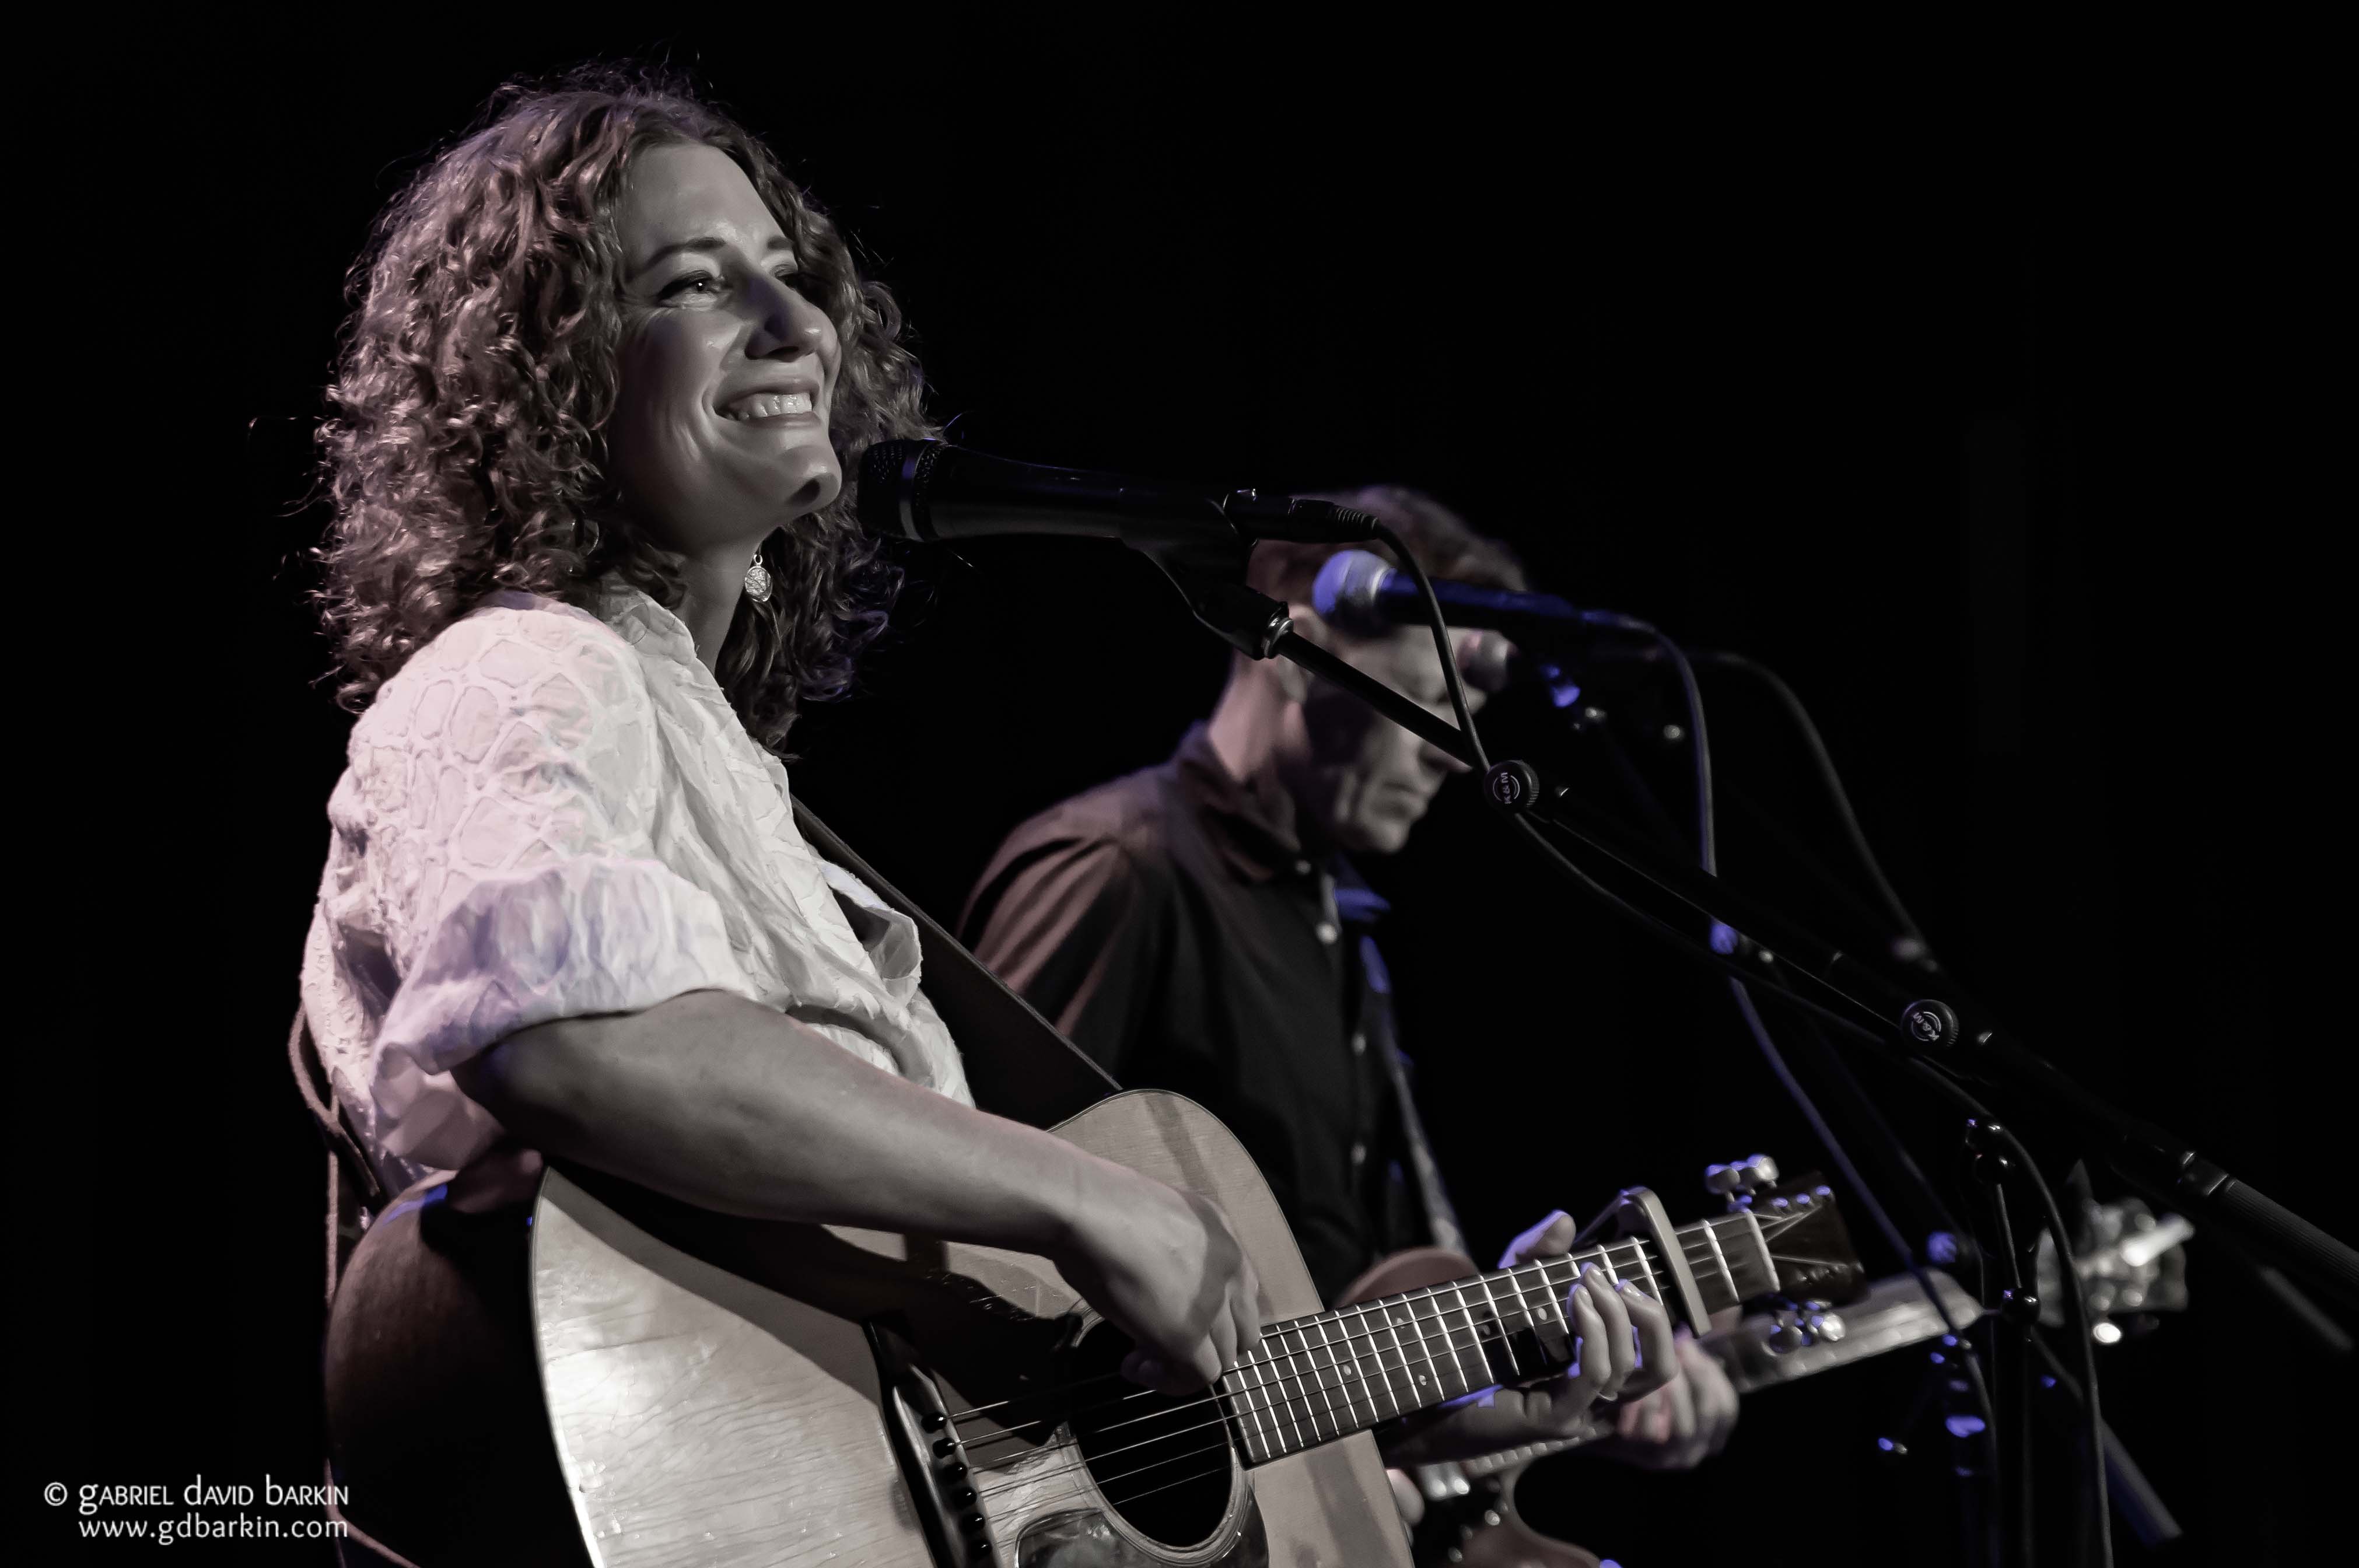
(758, 580)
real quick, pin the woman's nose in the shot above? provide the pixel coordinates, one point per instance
(791, 325)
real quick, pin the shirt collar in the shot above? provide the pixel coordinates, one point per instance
(1247, 823)
(645, 624)
(630, 614)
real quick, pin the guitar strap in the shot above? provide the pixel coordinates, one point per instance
(1017, 1063)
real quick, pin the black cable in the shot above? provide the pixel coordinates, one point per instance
(1815, 743)
(1440, 625)
(1707, 856)
(1680, 662)
(1707, 830)
(2075, 1299)
(1909, 930)
(1700, 951)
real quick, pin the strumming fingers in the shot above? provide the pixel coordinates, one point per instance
(1249, 1318)
(1225, 1342)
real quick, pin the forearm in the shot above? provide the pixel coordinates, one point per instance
(736, 1108)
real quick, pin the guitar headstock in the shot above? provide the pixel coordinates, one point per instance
(1801, 1227)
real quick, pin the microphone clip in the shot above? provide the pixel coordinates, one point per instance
(1250, 622)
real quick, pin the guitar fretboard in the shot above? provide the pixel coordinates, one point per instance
(1320, 1377)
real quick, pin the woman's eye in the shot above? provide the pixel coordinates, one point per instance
(694, 283)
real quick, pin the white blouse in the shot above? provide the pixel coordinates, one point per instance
(548, 813)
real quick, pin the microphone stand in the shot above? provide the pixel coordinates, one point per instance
(1994, 1486)
(1774, 952)
(1759, 945)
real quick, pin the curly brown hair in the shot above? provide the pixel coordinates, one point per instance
(466, 451)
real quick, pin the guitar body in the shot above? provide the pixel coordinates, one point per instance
(718, 1395)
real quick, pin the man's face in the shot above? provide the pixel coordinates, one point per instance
(1359, 780)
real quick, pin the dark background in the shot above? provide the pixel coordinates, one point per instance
(1982, 393)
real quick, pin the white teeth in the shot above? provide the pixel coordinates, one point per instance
(769, 405)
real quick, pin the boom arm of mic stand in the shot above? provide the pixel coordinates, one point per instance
(1874, 1009)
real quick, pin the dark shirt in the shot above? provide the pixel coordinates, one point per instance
(1174, 930)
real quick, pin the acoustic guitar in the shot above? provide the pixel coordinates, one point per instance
(724, 1392)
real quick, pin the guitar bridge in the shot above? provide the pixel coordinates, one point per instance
(933, 1460)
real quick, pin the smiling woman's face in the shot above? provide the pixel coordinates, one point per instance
(727, 371)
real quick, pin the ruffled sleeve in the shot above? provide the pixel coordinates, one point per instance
(510, 774)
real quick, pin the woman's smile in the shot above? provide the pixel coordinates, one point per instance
(768, 407)
(786, 396)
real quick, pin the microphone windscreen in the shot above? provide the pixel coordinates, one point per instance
(1345, 594)
(892, 481)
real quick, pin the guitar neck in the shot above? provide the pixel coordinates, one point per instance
(1317, 1379)
(1893, 1314)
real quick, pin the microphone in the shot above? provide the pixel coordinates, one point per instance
(1357, 592)
(930, 491)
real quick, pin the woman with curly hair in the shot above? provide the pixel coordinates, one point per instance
(607, 373)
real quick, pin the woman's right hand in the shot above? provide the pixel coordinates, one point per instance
(1165, 1267)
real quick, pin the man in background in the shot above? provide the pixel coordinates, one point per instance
(1199, 927)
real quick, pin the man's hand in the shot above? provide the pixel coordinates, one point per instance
(1680, 1424)
(1623, 1348)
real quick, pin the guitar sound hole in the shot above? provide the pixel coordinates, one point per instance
(1161, 1461)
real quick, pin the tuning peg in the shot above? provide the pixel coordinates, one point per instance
(1739, 1181)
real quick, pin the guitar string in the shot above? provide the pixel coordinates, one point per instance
(1695, 1243)
(1272, 1362)
(1287, 1403)
(1290, 1403)
(1548, 1446)
(1269, 1358)
(1310, 1390)
(1696, 1249)
(1696, 1252)
(1105, 1483)
(1551, 1446)
(1223, 1469)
